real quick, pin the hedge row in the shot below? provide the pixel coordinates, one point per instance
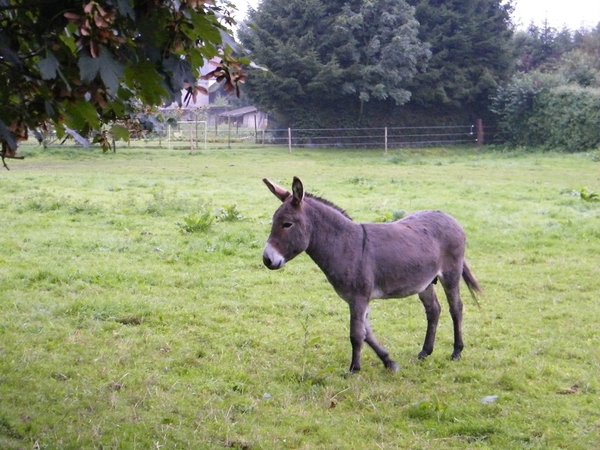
(535, 111)
(568, 117)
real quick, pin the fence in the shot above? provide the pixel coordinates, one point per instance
(386, 137)
(197, 135)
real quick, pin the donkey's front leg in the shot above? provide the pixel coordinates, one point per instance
(378, 348)
(358, 330)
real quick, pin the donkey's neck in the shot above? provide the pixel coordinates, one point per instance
(336, 241)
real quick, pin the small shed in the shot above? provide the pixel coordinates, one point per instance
(247, 117)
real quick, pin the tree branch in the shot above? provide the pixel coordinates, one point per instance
(10, 157)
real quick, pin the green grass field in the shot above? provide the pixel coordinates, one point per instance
(136, 313)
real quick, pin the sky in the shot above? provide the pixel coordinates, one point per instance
(573, 14)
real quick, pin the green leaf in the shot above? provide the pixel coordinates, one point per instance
(146, 82)
(88, 67)
(111, 71)
(196, 57)
(180, 72)
(48, 66)
(81, 114)
(120, 132)
(68, 38)
(206, 26)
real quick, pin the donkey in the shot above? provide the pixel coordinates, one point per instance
(366, 261)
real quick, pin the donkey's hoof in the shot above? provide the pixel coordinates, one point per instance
(455, 356)
(423, 355)
(352, 370)
(393, 366)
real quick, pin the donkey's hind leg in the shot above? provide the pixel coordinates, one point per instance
(432, 310)
(451, 284)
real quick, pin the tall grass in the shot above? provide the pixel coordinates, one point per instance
(121, 329)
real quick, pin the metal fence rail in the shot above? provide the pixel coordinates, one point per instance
(196, 135)
(390, 137)
(385, 137)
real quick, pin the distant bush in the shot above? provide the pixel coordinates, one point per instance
(514, 105)
(568, 117)
(537, 109)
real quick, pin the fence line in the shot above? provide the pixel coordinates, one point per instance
(386, 137)
(196, 135)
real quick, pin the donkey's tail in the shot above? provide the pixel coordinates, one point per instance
(472, 283)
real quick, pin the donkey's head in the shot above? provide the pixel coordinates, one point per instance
(290, 231)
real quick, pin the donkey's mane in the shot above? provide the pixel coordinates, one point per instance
(328, 203)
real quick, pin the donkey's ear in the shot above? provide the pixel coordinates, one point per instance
(298, 190)
(277, 191)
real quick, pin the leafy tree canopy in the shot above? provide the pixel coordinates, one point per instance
(79, 64)
(547, 49)
(471, 51)
(320, 52)
(540, 47)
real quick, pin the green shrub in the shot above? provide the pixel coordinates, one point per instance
(228, 213)
(541, 110)
(397, 214)
(514, 105)
(588, 196)
(196, 223)
(568, 117)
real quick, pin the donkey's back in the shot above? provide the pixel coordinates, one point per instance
(406, 256)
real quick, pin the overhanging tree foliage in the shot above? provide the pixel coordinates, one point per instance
(81, 64)
(322, 53)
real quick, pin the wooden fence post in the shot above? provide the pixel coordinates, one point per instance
(228, 131)
(192, 146)
(255, 130)
(480, 135)
(386, 140)
(290, 140)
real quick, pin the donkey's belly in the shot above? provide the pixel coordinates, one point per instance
(402, 289)
(399, 293)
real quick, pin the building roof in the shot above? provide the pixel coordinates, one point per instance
(238, 112)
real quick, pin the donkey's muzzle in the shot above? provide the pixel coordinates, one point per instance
(267, 262)
(272, 258)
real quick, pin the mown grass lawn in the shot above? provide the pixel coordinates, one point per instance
(119, 329)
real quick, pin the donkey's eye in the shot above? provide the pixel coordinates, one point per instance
(287, 224)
